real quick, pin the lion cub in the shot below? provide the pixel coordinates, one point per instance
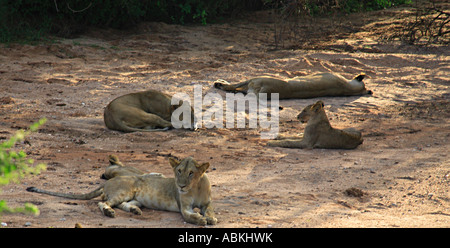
(116, 168)
(316, 85)
(149, 111)
(319, 133)
(188, 190)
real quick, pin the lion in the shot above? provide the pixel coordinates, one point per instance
(316, 85)
(147, 111)
(319, 133)
(188, 190)
(116, 168)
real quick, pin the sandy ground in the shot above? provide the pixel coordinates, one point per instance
(399, 176)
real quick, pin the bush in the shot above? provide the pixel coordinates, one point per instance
(14, 166)
(30, 20)
(325, 7)
(430, 26)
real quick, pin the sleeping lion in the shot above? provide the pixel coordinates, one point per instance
(316, 85)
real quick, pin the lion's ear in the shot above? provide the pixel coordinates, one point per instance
(320, 103)
(203, 167)
(174, 162)
(318, 106)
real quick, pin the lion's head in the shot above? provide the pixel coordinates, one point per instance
(309, 110)
(187, 173)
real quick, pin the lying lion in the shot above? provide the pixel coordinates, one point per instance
(188, 190)
(116, 169)
(317, 85)
(149, 110)
(319, 133)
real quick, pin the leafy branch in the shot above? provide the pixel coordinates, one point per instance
(15, 166)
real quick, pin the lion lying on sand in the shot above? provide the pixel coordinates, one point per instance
(116, 169)
(316, 85)
(188, 190)
(319, 133)
(148, 111)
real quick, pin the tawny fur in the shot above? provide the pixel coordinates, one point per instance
(188, 190)
(148, 111)
(316, 85)
(116, 168)
(319, 133)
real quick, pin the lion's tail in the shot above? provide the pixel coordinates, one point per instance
(114, 123)
(86, 196)
(127, 129)
(124, 128)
